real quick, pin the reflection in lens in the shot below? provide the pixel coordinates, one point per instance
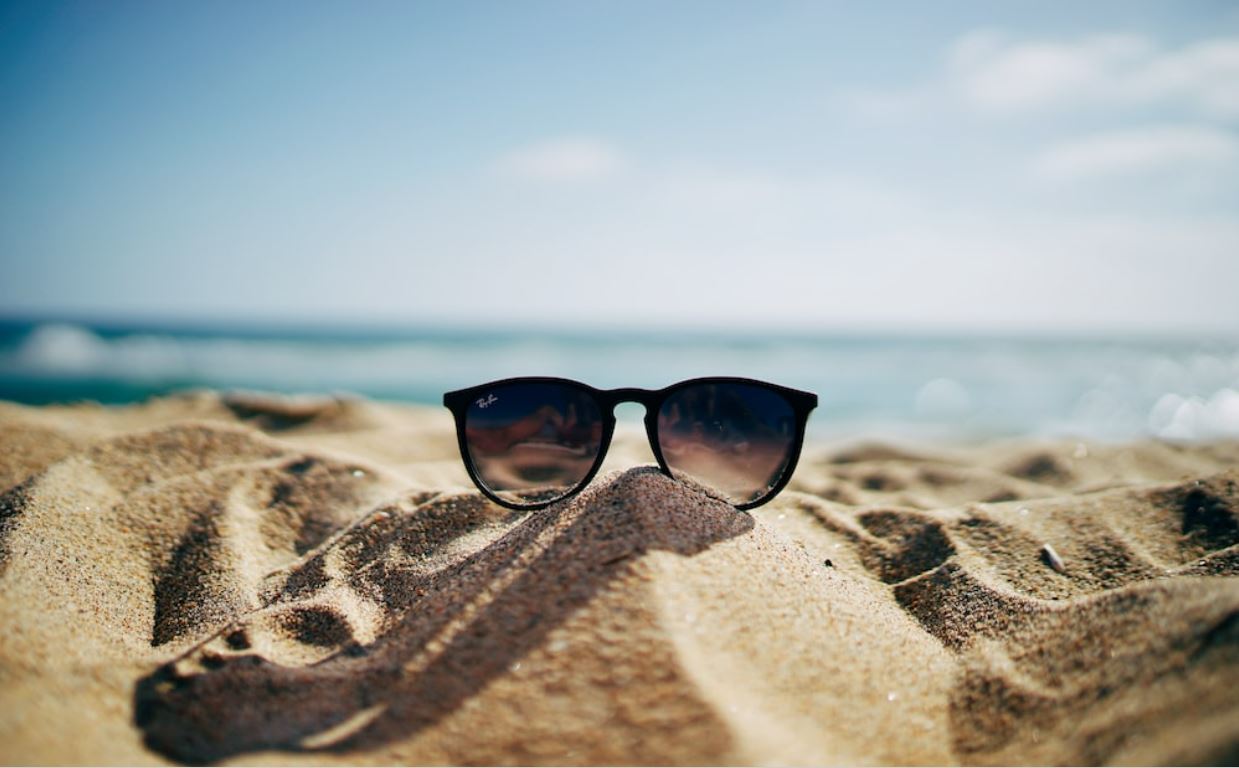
(733, 438)
(533, 442)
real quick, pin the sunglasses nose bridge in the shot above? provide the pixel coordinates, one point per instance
(647, 399)
(617, 397)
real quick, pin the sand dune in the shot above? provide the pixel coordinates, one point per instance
(242, 579)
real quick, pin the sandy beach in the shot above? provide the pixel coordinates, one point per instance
(242, 579)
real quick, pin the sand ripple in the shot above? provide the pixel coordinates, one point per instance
(201, 579)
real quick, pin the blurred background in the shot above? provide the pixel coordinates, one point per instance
(962, 219)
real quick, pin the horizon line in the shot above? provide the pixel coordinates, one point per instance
(255, 325)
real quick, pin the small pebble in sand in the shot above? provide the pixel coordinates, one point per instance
(828, 563)
(359, 473)
(892, 696)
(1052, 559)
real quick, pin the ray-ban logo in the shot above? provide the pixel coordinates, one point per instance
(486, 402)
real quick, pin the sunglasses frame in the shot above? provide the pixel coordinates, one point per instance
(458, 402)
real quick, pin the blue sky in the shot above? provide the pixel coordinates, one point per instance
(835, 166)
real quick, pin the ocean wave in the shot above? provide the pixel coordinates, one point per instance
(937, 387)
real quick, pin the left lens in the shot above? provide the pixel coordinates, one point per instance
(533, 442)
(734, 438)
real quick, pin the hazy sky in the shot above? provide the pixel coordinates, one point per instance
(988, 166)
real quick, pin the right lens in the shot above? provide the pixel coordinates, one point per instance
(533, 442)
(734, 438)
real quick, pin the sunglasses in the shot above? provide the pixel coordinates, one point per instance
(529, 442)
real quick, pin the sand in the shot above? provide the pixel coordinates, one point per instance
(253, 580)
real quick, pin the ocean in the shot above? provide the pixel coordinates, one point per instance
(900, 386)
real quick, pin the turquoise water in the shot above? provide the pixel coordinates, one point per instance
(900, 386)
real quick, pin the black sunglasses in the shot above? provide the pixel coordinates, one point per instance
(529, 442)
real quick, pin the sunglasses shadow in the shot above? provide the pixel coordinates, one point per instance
(375, 637)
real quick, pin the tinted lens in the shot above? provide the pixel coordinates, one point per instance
(736, 439)
(533, 442)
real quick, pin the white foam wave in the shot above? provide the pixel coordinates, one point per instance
(1175, 417)
(69, 350)
(1188, 392)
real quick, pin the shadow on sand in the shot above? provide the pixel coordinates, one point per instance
(445, 631)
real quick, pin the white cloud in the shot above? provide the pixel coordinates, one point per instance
(564, 160)
(994, 75)
(987, 72)
(1148, 150)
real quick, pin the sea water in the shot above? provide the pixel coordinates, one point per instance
(876, 385)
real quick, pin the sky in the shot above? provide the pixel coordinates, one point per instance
(954, 166)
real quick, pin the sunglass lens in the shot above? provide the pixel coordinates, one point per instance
(533, 442)
(734, 438)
